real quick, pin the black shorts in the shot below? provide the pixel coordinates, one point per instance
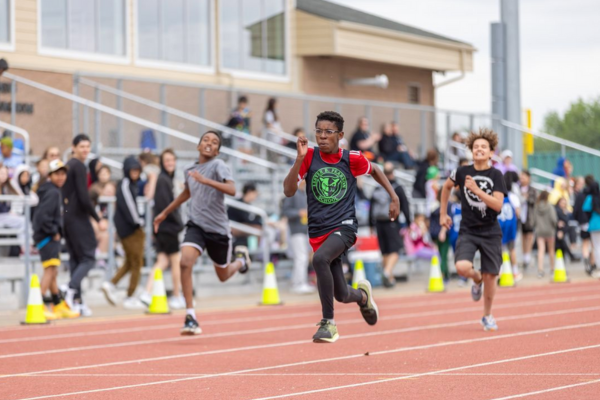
(526, 228)
(489, 246)
(50, 254)
(218, 246)
(584, 235)
(388, 236)
(167, 243)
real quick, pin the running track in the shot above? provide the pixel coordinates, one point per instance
(424, 347)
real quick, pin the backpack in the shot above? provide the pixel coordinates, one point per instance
(380, 203)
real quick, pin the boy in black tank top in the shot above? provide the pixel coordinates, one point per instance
(330, 175)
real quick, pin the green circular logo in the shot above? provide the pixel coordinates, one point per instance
(329, 185)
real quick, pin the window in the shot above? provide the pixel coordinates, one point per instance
(90, 26)
(253, 36)
(414, 94)
(176, 31)
(6, 25)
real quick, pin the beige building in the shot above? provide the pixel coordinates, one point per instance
(198, 55)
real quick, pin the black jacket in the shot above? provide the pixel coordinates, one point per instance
(48, 218)
(126, 218)
(578, 214)
(78, 205)
(404, 204)
(163, 196)
(420, 179)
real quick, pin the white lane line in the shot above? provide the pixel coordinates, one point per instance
(286, 327)
(313, 374)
(554, 389)
(299, 342)
(130, 318)
(433, 373)
(302, 363)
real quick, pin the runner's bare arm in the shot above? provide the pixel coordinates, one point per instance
(175, 204)
(227, 187)
(445, 219)
(380, 178)
(290, 184)
(493, 201)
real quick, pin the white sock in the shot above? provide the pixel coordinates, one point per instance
(331, 321)
(242, 260)
(191, 312)
(515, 269)
(527, 258)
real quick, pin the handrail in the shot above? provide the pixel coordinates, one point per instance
(134, 119)
(190, 117)
(544, 174)
(21, 132)
(297, 96)
(547, 136)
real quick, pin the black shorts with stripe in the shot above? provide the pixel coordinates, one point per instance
(218, 246)
(50, 254)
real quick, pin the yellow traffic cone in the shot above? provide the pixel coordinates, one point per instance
(436, 281)
(506, 274)
(159, 304)
(35, 304)
(560, 273)
(358, 274)
(270, 294)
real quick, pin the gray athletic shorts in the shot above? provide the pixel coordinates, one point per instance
(489, 246)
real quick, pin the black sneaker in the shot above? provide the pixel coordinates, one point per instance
(190, 327)
(327, 332)
(369, 311)
(242, 252)
(387, 281)
(588, 266)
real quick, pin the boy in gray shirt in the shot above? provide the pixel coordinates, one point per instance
(206, 183)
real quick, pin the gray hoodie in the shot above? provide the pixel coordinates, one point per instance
(545, 220)
(291, 207)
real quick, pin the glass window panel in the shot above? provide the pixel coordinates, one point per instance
(198, 32)
(111, 27)
(252, 35)
(4, 21)
(231, 46)
(82, 26)
(173, 41)
(54, 23)
(275, 40)
(148, 29)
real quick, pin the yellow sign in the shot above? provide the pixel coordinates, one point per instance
(527, 138)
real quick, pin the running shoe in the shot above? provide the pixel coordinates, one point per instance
(489, 323)
(62, 310)
(50, 316)
(477, 291)
(177, 303)
(388, 282)
(109, 292)
(146, 298)
(242, 252)
(369, 310)
(69, 296)
(190, 327)
(84, 310)
(541, 274)
(327, 332)
(133, 303)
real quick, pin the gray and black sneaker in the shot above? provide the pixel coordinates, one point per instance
(327, 332)
(388, 282)
(369, 311)
(242, 252)
(477, 290)
(190, 327)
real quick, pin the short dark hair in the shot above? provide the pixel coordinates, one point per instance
(3, 64)
(331, 116)
(526, 172)
(297, 131)
(589, 180)
(462, 160)
(82, 137)
(214, 133)
(242, 99)
(248, 187)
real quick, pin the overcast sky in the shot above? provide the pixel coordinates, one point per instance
(560, 48)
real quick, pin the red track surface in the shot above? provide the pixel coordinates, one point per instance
(424, 347)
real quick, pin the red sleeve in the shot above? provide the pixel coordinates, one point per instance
(359, 165)
(306, 164)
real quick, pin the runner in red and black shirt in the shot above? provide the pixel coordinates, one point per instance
(330, 174)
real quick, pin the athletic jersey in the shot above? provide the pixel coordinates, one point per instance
(331, 189)
(508, 221)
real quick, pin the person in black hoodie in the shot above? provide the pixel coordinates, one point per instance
(78, 230)
(432, 159)
(562, 229)
(47, 232)
(129, 226)
(167, 237)
(583, 219)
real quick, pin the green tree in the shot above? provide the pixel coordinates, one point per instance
(580, 124)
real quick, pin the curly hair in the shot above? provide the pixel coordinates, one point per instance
(484, 133)
(331, 116)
